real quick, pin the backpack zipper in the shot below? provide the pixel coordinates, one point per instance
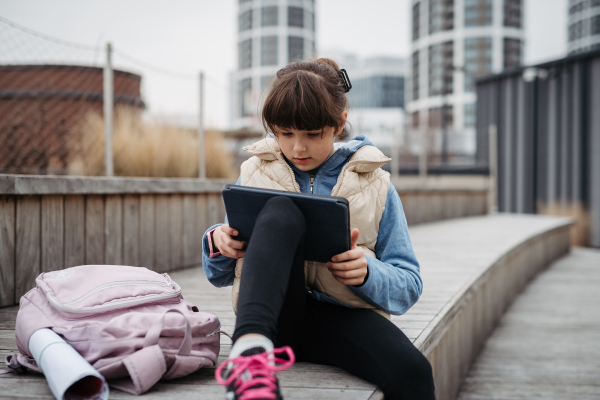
(115, 305)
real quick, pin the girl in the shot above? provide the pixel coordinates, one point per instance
(336, 313)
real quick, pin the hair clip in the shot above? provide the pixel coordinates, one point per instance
(345, 80)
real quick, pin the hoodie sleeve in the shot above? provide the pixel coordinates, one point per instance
(219, 270)
(393, 282)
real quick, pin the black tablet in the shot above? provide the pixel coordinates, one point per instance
(327, 218)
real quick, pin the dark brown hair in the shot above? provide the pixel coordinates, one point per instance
(306, 95)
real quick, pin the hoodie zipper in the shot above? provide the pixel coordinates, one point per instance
(312, 183)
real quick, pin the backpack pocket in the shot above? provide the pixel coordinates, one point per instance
(93, 289)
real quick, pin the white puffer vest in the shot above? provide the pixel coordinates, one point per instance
(362, 182)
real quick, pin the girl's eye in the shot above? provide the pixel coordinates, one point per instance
(286, 133)
(314, 134)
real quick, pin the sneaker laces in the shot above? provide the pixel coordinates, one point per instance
(254, 376)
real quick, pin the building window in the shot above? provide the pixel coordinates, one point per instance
(295, 48)
(441, 77)
(415, 75)
(576, 31)
(441, 117)
(478, 12)
(415, 119)
(512, 53)
(264, 81)
(246, 20)
(595, 25)
(268, 50)
(245, 60)
(512, 13)
(415, 21)
(245, 91)
(296, 17)
(469, 115)
(441, 15)
(478, 60)
(375, 91)
(575, 8)
(269, 16)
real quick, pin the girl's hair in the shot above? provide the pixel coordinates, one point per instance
(306, 95)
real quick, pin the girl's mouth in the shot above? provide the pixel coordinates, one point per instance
(302, 160)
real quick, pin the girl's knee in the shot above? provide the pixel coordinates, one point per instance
(281, 212)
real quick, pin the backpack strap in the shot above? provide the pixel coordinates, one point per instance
(147, 365)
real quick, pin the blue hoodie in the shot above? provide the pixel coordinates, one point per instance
(393, 282)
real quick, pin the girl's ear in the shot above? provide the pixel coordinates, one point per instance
(345, 118)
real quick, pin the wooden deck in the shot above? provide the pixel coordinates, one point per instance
(547, 346)
(465, 264)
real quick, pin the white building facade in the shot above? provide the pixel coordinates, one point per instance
(584, 26)
(454, 41)
(271, 33)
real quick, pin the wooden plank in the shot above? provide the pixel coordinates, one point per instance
(27, 254)
(213, 211)
(201, 223)
(162, 240)
(131, 230)
(147, 231)
(74, 231)
(113, 226)
(189, 239)
(7, 250)
(175, 231)
(53, 228)
(94, 230)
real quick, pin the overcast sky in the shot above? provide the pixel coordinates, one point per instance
(187, 36)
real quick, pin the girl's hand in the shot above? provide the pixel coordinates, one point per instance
(350, 267)
(223, 241)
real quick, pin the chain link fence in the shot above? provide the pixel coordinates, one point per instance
(52, 115)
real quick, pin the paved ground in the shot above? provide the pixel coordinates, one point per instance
(547, 346)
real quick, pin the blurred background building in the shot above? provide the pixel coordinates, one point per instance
(377, 97)
(271, 33)
(584, 25)
(454, 41)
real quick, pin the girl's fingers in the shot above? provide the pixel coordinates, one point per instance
(229, 230)
(350, 274)
(348, 255)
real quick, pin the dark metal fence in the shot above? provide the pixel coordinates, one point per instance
(548, 123)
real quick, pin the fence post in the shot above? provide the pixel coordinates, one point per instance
(493, 148)
(201, 139)
(108, 112)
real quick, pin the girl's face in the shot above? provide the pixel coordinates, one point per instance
(307, 149)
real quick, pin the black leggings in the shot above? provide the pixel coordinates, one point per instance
(273, 302)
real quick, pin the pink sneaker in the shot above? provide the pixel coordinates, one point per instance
(252, 376)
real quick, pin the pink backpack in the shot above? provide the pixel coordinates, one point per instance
(129, 323)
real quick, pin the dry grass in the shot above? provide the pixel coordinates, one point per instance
(148, 149)
(580, 232)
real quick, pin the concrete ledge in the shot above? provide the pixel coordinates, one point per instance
(43, 184)
(472, 268)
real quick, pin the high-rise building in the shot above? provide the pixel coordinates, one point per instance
(378, 82)
(454, 41)
(584, 25)
(271, 33)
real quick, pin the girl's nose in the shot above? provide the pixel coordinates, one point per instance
(299, 146)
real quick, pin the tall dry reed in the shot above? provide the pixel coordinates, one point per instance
(148, 149)
(580, 231)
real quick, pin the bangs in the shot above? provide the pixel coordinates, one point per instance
(302, 101)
